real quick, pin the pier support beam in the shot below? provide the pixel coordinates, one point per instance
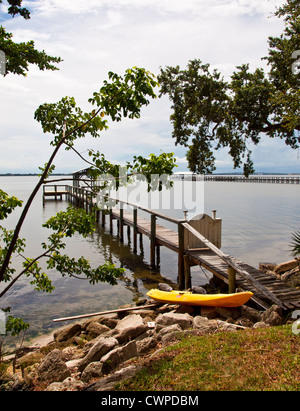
(187, 272)
(232, 283)
(153, 241)
(181, 282)
(135, 230)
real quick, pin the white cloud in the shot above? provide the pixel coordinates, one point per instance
(100, 35)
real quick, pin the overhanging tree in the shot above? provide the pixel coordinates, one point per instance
(210, 113)
(18, 56)
(119, 97)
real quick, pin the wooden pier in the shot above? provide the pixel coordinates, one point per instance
(54, 191)
(196, 242)
(271, 179)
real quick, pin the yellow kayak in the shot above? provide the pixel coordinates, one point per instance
(189, 298)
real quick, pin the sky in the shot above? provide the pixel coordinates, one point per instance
(99, 36)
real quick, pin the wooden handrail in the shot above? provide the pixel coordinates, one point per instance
(234, 265)
(147, 210)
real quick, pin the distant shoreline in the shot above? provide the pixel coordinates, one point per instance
(30, 174)
(183, 172)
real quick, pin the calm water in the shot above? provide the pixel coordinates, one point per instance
(257, 223)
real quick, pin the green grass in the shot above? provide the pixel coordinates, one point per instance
(248, 360)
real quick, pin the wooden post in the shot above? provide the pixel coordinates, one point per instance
(180, 257)
(152, 240)
(157, 257)
(135, 230)
(110, 221)
(121, 234)
(231, 274)
(187, 272)
(103, 218)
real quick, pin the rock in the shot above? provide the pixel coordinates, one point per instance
(209, 312)
(145, 345)
(272, 316)
(250, 313)
(67, 333)
(225, 326)
(281, 268)
(198, 290)
(117, 356)
(260, 324)
(29, 359)
(53, 368)
(129, 328)
(94, 329)
(170, 337)
(110, 320)
(228, 312)
(101, 347)
(204, 324)
(245, 322)
(93, 370)
(292, 278)
(170, 329)
(164, 287)
(69, 384)
(183, 320)
(108, 383)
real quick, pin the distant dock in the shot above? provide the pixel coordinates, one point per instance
(271, 179)
(54, 191)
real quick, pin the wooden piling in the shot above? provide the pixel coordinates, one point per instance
(181, 282)
(187, 272)
(231, 279)
(135, 230)
(152, 241)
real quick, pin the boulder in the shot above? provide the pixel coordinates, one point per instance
(260, 324)
(93, 370)
(282, 268)
(108, 383)
(53, 368)
(251, 313)
(183, 320)
(94, 329)
(229, 312)
(117, 356)
(205, 325)
(272, 316)
(170, 329)
(145, 345)
(129, 328)
(101, 347)
(69, 384)
(67, 333)
(110, 320)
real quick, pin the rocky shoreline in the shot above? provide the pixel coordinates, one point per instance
(97, 353)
